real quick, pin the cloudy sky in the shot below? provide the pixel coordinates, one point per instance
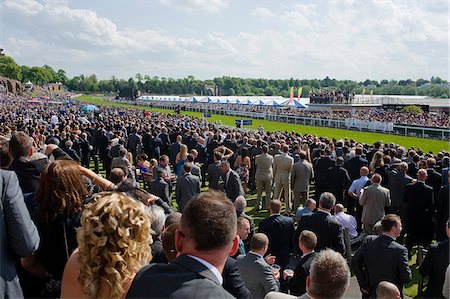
(305, 39)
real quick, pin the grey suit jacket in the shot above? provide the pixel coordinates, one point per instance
(257, 275)
(195, 170)
(233, 186)
(188, 185)
(302, 173)
(374, 199)
(264, 169)
(282, 167)
(214, 175)
(183, 278)
(18, 234)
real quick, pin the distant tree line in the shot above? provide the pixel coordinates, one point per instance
(435, 87)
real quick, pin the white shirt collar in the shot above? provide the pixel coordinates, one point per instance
(257, 254)
(210, 267)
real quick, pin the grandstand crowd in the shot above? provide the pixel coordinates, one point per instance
(147, 230)
(427, 119)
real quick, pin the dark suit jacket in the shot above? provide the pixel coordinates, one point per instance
(434, 265)
(381, 258)
(321, 168)
(214, 175)
(419, 217)
(72, 154)
(183, 278)
(297, 284)
(279, 229)
(188, 186)
(442, 212)
(160, 188)
(327, 229)
(434, 180)
(233, 186)
(354, 165)
(337, 180)
(232, 281)
(28, 174)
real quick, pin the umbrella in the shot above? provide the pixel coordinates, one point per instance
(89, 108)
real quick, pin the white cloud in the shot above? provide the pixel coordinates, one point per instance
(262, 13)
(213, 6)
(343, 39)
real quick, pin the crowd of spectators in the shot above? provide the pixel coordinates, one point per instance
(93, 236)
(427, 119)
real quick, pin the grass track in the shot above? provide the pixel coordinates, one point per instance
(366, 137)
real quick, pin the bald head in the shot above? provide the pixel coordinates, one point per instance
(376, 179)
(387, 290)
(422, 175)
(364, 171)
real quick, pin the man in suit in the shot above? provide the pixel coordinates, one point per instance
(28, 172)
(263, 177)
(18, 235)
(70, 151)
(174, 150)
(307, 242)
(159, 186)
(302, 175)
(382, 258)
(337, 180)
(214, 174)
(243, 230)
(374, 200)
(442, 210)
(256, 273)
(204, 239)
(282, 168)
(188, 185)
(232, 281)
(321, 167)
(398, 179)
(195, 170)
(434, 179)
(329, 277)
(354, 164)
(434, 265)
(279, 229)
(420, 210)
(202, 158)
(232, 181)
(327, 229)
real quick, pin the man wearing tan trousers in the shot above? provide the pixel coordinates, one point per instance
(263, 177)
(282, 168)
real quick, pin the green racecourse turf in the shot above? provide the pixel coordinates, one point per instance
(411, 289)
(425, 144)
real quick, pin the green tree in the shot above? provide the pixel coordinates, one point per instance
(62, 77)
(9, 68)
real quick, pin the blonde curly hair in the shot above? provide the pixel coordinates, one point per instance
(114, 242)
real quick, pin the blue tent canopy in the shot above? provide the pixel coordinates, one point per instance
(89, 108)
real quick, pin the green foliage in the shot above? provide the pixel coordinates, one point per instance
(435, 87)
(412, 109)
(9, 68)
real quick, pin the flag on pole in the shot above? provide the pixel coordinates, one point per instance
(364, 91)
(291, 95)
(299, 93)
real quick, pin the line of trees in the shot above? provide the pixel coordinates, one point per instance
(435, 87)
